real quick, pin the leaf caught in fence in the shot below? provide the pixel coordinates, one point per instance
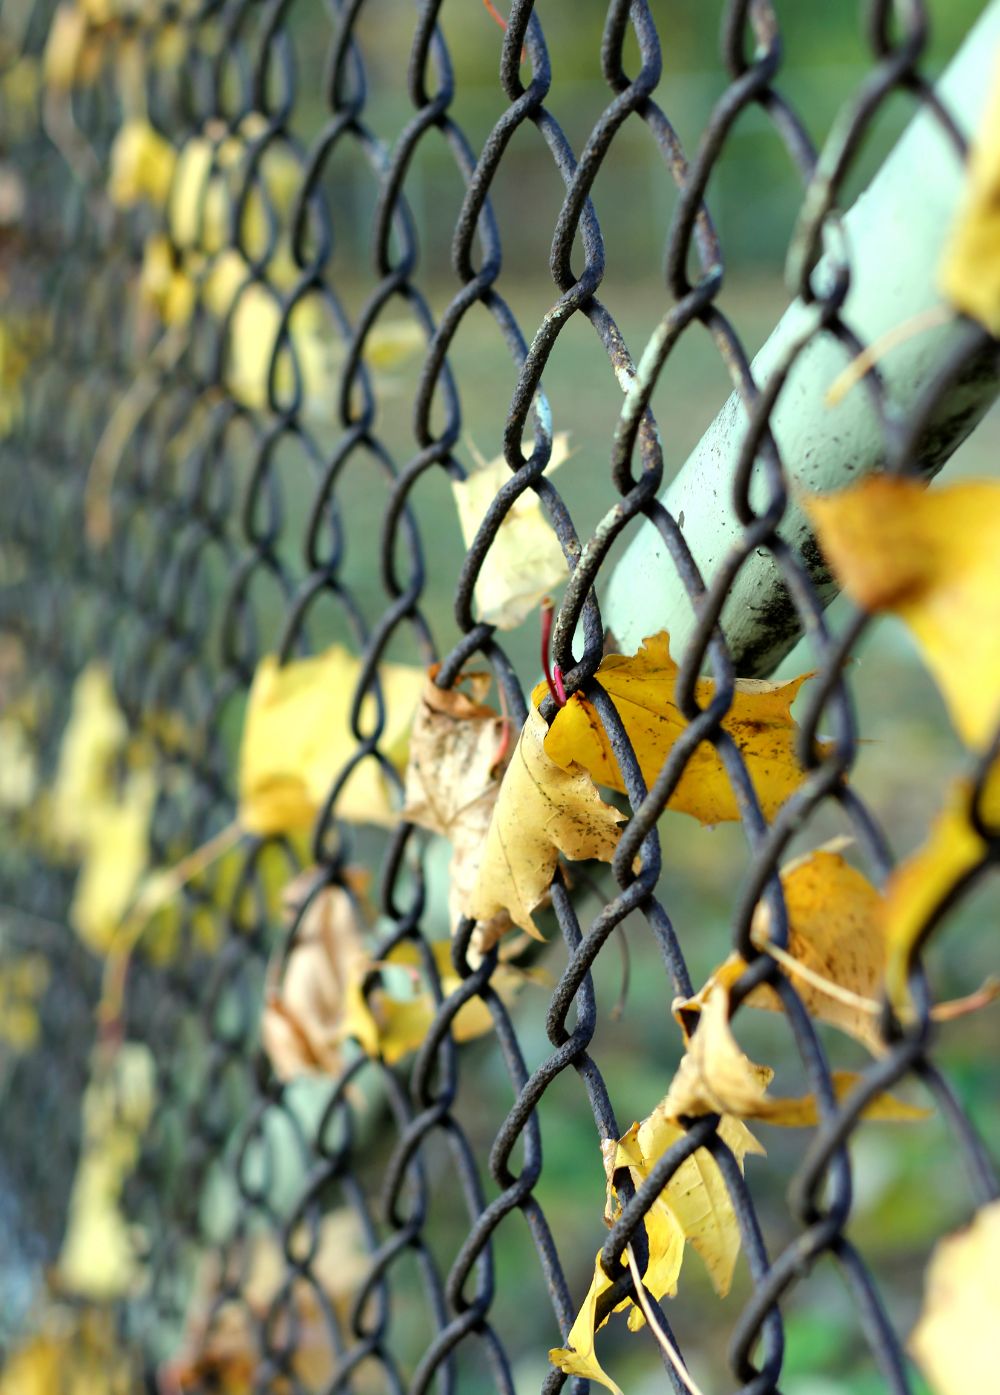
(297, 738)
(453, 778)
(642, 689)
(716, 1077)
(579, 1357)
(970, 268)
(328, 990)
(928, 556)
(142, 165)
(954, 1342)
(920, 884)
(525, 560)
(543, 809)
(835, 932)
(92, 742)
(98, 1258)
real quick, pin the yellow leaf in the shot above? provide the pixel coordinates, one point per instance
(75, 1351)
(18, 766)
(452, 783)
(954, 1342)
(23, 980)
(115, 856)
(142, 165)
(835, 930)
(97, 1260)
(525, 560)
(297, 738)
(543, 809)
(92, 742)
(388, 346)
(970, 268)
(163, 283)
(697, 1195)
(642, 689)
(715, 1077)
(664, 1233)
(920, 884)
(928, 556)
(578, 1357)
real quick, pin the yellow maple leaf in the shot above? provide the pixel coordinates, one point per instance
(452, 783)
(93, 740)
(920, 884)
(142, 165)
(694, 1207)
(928, 556)
(97, 1260)
(970, 268)
(525, 560)
(579, 1357)
(115, 857)
(716, 1077)
(543, 809)
(642, 689)
(954, 1342)
(835, 932)
(297, 738)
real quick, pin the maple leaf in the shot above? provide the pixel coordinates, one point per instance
(142, 165)
(928, 556)
(115, 858)
(92, 742)
(835, 933)
(954, 1342)
(970, 268)
(97, 1259)
(525, 560)
(716, 1077)
(452, 783)
(543, 809)
(642, 689)
(328, 990)
(579, 1357)
(920, 884)
(297, 738)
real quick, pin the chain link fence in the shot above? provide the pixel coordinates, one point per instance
(232, 419)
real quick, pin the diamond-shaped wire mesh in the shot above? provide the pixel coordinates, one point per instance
(231, 422)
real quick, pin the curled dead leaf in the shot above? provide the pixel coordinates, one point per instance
(543, 809)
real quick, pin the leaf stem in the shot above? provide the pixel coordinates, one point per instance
(553, 675)
(670, 1351)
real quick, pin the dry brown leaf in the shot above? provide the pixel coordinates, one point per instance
(452, 783)
(954, 1342)
(302, 1028)
(543, 809)
(221, 1350)
(642, 689)
(328, 990)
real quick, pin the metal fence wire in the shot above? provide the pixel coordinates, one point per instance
(185, 493)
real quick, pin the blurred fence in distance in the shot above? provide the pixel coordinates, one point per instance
(238, 373)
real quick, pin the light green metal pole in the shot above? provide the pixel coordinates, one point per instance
(895, 235)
